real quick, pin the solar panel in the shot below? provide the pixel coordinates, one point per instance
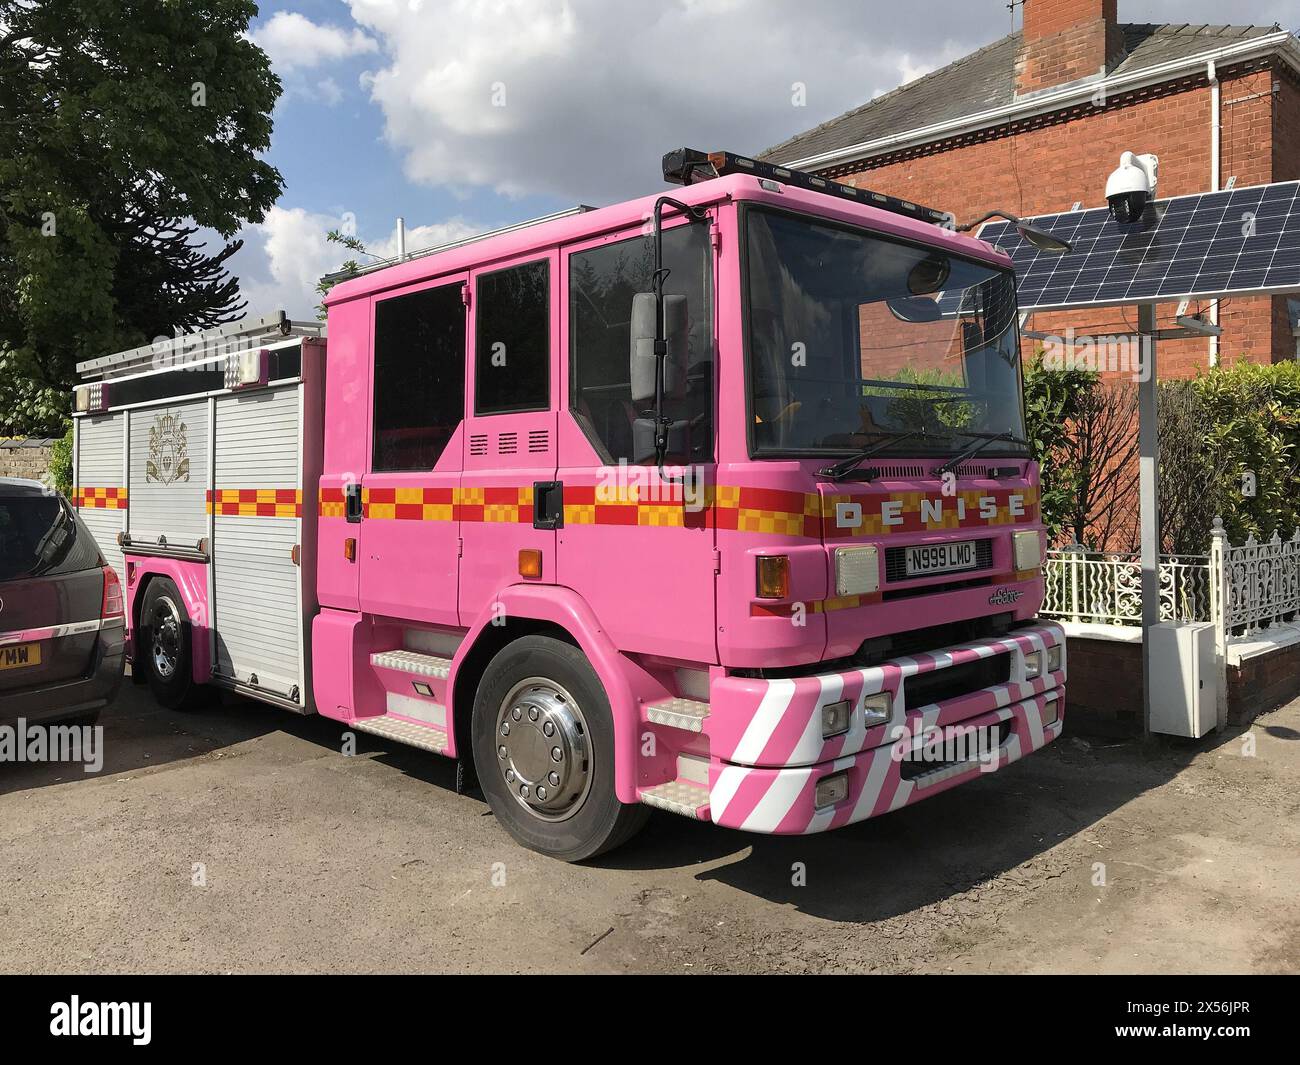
(1205, 245)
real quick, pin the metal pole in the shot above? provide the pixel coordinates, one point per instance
(1149, 498)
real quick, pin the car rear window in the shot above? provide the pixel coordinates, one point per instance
(40, 535)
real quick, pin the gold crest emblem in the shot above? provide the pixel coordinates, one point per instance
(169, 458)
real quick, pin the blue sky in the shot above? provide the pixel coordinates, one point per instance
(462, 115)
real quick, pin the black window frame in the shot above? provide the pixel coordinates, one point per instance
(545, 261)
(570, 340)
(424, 290)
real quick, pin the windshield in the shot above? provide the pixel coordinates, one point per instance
(855, 339)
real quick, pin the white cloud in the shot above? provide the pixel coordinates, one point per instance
(293, 41)
(284, 256)
(579, 99)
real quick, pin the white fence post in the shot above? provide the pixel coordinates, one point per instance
(1219, 615)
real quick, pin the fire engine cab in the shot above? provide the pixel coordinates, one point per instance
(716, 502)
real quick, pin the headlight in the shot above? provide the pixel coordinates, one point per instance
(1033, 665)
(857, 570)
(836, 718)
(1027, 550)
(1054, 659)
(876, 708)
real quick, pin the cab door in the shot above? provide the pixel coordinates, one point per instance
(508, 498)
(638, 549)
(409, 535)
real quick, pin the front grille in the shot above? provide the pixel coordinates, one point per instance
(914, 769)
(915, 591)
(922, 689)
(896, 562)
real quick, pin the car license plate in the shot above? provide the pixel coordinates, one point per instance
(20, 655)
(940, 558)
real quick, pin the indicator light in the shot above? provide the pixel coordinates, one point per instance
(773, 576)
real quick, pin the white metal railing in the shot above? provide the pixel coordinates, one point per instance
(1106, 588)
(1239, 589)
(1261, 582)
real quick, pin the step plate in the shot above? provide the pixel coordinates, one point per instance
(686, 714)
(678, 797)
(413, 662)
(424, 736)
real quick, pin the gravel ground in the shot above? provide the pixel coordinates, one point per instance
(316, 862)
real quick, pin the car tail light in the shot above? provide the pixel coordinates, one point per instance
(112, 606)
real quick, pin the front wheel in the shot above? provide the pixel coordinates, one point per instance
(543, 741)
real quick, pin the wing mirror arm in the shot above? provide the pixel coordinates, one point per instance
(663, 424)
(1039, 238)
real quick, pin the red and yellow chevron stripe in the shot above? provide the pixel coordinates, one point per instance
(255, 502)
(732, 507)
(100, 498)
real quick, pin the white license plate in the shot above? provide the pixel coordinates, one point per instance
(940, 558)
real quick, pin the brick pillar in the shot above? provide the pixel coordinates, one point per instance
(1066, 40)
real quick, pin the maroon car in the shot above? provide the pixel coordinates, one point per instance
(62, 629)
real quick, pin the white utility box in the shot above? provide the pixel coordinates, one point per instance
(1184, 680)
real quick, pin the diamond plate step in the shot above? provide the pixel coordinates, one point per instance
(679, 797)
(426, 737)
(414, 662)
(687, 714)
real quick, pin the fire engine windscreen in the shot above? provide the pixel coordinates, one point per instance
(854, 337)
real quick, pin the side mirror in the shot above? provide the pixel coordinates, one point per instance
(676, 332)
(914, 309)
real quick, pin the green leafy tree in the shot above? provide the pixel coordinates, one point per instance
(61, 463)
(1253, 430)
(126, 128)
(350, 267)
(1054, 400)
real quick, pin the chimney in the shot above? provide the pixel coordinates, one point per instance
(1066, 41)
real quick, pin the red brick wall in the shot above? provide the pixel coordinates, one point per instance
(1047, 163)
(1263, 683)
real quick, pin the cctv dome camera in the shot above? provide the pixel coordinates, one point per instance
(1132, 185)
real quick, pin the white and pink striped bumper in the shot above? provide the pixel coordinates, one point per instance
(767, 754)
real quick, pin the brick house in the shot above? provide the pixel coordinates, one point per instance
(1036, 121)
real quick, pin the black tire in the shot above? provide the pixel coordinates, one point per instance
(537, 673)
(163, 648)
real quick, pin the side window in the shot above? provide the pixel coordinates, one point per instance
(602, 282)
(419, 383)
(512, 357)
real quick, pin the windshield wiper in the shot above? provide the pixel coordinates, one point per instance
(846, 466)
(982, 441)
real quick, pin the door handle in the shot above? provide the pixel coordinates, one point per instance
(548, 504)
(352, 503)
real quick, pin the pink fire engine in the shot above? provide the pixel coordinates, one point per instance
(718, 503)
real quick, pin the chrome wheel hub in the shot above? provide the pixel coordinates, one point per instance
(542, 749)
(165, 638)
